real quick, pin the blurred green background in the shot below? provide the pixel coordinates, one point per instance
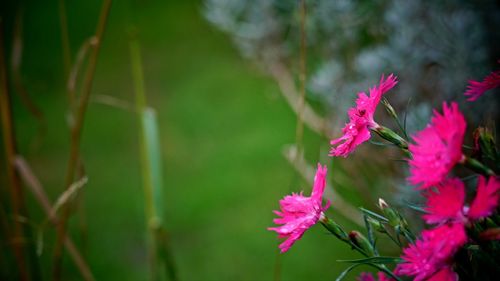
(222, 127)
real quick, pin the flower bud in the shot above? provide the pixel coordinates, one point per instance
(334, 228)
(390, 110)
(391, 136)
(389, 213)
(484, 144)
(377, 225)
(382, 204)
(360, 240)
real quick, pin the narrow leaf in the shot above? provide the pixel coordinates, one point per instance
(373, 215)
(379, 259)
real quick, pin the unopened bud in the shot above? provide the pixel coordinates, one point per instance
(334, 228)
(377, 225)
(484, 144)
(382, 204)
(360, 240)
(391, 136)
(389, 213)
(390, 110)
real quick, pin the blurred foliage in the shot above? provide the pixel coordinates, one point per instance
(434, 47)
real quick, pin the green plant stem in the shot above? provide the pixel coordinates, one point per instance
(76, 131)
(161, 256)
(338, 232)
(477, 166)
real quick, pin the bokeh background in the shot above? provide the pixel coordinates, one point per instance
(224, 122)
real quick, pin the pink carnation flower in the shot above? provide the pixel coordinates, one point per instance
(438, 147)
(298, 213)
(475, 89)
(361, 120)
(430, 257)
(448, 203)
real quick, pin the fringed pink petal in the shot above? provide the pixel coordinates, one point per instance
(486, 199)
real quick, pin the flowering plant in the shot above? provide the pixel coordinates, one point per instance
(461, 240)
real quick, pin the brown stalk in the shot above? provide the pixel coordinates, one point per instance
(16, 61)
(65, 37)
(75, 70)
(287, 86)
(38, 191)
(302, 76)
(76, 131)
(10, 152)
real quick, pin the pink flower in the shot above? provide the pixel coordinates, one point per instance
(448, 203)
(445, 274)
(438, 147)
(475, 89)
(361, 120)
(369, 277)
(298, 213)
(486, 199)
(431, 255)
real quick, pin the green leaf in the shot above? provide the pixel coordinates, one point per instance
(371, 236)
(374, 215)
(344, 273)
(415, 207)
(379, 267)
(380, 259)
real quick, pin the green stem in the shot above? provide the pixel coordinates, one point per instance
(161, 256)
(338, 232)
(477, 166)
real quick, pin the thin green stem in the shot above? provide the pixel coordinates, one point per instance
(161, 256)
(338, 232)
(476, 166)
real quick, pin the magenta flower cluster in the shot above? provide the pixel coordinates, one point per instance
(435, 151)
